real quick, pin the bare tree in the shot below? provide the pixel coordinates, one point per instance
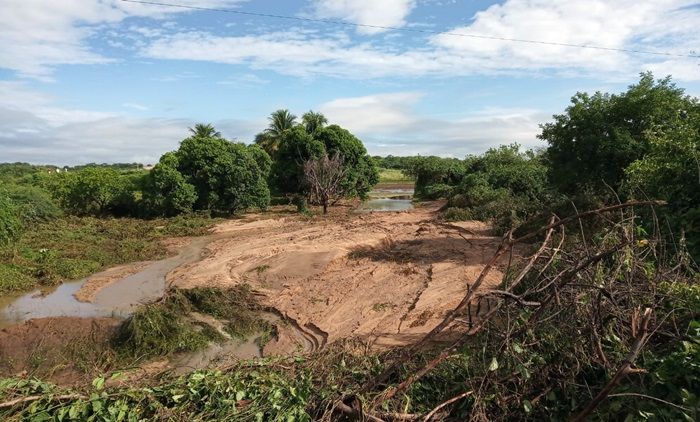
(323, 177)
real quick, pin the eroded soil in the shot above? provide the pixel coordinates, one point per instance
(384, 278)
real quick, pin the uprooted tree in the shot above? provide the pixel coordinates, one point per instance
(323, 177)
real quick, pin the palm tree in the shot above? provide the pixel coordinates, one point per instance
(281, 121)
(266, 142)
(202, 130)
(313, 121)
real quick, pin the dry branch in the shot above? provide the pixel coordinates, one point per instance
(29, 399)
(640, 327)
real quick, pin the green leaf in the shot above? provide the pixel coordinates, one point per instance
(527, 406)
(494, 365)
(98, 383)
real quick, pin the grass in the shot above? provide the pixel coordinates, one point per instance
(393, 176)
(70, 248)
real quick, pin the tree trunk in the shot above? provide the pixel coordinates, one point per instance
(325, 207)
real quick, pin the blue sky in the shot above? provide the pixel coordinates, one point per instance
(111, 81)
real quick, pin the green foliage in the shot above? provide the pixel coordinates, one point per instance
(281, 122)
(361, 172)
(396, 163)
(262, 395)
(298, 146)
(95, 191)
(436, 176)
(600, 135)
(165, 190)
(164, 328)
(73, 247)
(34, 204)
(227, 177)
(671, 171)
(313, 121)
(10, 224)
(201, 130)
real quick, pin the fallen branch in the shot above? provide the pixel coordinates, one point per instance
(29, 399)
(448, 402)
(586, 214)
(641, 329)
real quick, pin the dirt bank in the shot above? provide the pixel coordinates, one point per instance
(387, 278)
(63, 349)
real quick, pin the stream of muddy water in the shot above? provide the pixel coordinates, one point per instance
(117, 299)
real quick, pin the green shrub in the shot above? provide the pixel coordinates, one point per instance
(34, 204)
(10, 224)
(457, 214)
(13, 278)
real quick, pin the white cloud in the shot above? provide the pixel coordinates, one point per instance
(135, 106)
(36, 35)
(33, 129)
(657, 26)
(664, 26)
(387, 13)
(390, 124)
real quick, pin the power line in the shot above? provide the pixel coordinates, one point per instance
(416, 30)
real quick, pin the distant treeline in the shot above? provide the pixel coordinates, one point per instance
(206, 174)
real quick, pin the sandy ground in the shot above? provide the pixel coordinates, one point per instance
(386, 278)
(96, 282)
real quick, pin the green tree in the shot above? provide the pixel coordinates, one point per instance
(671, 171)
(592, 144)
(436, 176)
(313, 121)
(202, 130)
(95, 191)
(298, 147)
(227, 177)
(281, 122)
(165, 191)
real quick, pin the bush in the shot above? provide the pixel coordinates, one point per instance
(34, 204)
(457, 214)
(96, 191)
(504, 186)
(10, 224)
(435, 176)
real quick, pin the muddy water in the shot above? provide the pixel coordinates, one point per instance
(117, 299)
(386, 200)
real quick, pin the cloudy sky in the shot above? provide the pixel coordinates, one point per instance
(113, 81)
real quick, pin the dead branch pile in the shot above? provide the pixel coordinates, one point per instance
(568, 325)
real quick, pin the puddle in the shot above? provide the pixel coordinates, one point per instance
(388, 199)
(117, 299)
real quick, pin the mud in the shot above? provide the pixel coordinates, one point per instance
(387, 278)
(65, 349)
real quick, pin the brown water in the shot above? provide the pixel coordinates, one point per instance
(116, 299)
(387, 200)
